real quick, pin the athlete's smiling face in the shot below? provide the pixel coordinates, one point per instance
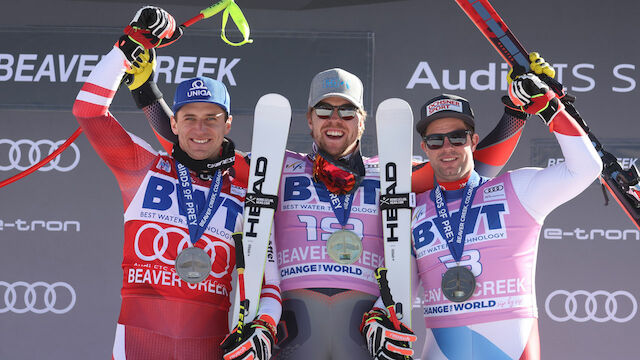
(336, 136)
(450, 162)
(201, 128)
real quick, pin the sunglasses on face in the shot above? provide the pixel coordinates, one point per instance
(345, 112)
(456, 138)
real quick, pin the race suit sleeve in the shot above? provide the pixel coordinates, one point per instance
(158, 114)
(493, 152)
(490, 156)
(542, 190)
(125, 154)
(270, 307)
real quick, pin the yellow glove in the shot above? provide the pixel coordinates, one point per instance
(141, 69)
(537, 65)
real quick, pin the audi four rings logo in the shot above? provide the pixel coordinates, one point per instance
(25, 153)
(493, 189)
(36, 300)
(161, 243)
(582, 306)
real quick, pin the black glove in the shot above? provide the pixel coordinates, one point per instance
(150, 27)
(255, 342)
(383, 341)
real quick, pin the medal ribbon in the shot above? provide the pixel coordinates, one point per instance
(197, 221)
(455, 242)
(341, 206)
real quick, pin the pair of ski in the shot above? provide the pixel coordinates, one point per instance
(272, 116)
(624, 185)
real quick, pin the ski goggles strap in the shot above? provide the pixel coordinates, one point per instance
(338, 178)
(241, 23)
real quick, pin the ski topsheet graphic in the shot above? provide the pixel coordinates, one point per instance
(271, 122)
(394, 125)
(624, 185)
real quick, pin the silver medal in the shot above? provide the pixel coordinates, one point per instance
(193, 265)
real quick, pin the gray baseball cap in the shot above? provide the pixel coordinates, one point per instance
(336, 82)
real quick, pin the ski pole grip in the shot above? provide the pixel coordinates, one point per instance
(237, 239)
(383, 284)
(385, 293)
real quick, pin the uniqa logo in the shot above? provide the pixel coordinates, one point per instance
(198, 88)
(591, 302)
(35, 154)
(32, 297)
(161, 244)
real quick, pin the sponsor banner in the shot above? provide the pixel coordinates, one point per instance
(598, 306)
(39, 297)
(289, 272)
(317, 252)
(506, 287)
(619, 78)
(552, 233)
(546, 152)
(498, 303)
(23, 153)
(166, 276)
(44, 68)
(22, 225)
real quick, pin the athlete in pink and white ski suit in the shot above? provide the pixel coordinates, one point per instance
(499, 320)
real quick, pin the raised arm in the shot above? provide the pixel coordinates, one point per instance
(542, 190)
(126, 155)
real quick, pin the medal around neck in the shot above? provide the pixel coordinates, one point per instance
(193, 265)
(458, 284)
(344, 247)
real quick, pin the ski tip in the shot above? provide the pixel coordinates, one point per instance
(274, 99)
(394, 103)
(394, 114)
(274, 107)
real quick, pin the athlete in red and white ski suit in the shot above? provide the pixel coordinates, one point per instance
(163, 317)
(499, 320)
